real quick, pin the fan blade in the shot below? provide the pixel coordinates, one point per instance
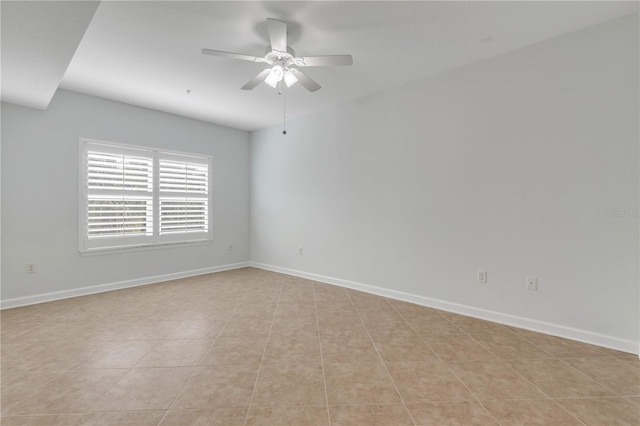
(277, 34)
(304, 79)
(257, 79)
(319, 61)
(232, 55)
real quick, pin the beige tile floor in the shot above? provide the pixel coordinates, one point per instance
(251, 347)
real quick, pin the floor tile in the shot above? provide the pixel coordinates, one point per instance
(235, 351)
(246, 327)
(266, 297)
(476, 326)
(296, 310)
(18, 325)
(299, 416)
(197, 329)
(634, 399)
(530, 412)
(255, 310)
(215, 417)
(399, 347)
(289, 385)
(199, 312)
(292, 350)
(348, 349)
(59, 392)
(564, 348)
(294, 327)
(130, 418)
(44, 356)
(464, 413)
(370, 415)
(45, 420)
(603, 411)
(51, 331)
(302, 295)
(331, 310)
(125, 354)
(368, 304)
(622, 375)
(558, 379)
(412, 310)
(489, 380)
(175, 353)
(384, 320)
(337, 295)
(141, 330)
(341, 326)
(433, 325)
(366, 298)
(458, 348)
(509, 346)
(427, 381)
(218, 386)
(144, 389)
(365, 383)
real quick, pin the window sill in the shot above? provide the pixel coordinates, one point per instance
(115, 250)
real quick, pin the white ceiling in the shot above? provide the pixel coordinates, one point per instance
(147, 53)
(36, 50)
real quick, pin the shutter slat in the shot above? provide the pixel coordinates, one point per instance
(183, 215)
(119, 217)
(176, 176)
(119, 171)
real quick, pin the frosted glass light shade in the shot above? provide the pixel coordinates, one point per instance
(274, 76)
(289, 78)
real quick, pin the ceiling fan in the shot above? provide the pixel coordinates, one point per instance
(283, 61)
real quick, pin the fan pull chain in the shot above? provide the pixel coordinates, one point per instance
(284, 113)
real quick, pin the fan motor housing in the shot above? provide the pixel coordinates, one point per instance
(273, 56)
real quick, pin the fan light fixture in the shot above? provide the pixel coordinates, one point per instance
(275, 76)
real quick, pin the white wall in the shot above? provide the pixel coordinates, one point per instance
(40, 194)
(507, 165)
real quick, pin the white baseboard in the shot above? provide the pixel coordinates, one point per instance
(507, 319)
(83, 291)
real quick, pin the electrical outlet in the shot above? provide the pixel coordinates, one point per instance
(31, 268)
(482, 277)
(300, 250)
(230, 247)
(532, 283)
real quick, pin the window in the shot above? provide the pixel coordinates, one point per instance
(136, 197)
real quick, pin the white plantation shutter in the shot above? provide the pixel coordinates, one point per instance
(183, 196)
(132, 196)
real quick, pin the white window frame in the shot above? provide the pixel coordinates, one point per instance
(155, 241)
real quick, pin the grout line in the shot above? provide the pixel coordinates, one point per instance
(110, 387)
(561, 398)
(567, 411)
(404, 404)
(197, 365)
(264, 351)
(324, 377)
(617, 394)
(524, 378)
(443, 362)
